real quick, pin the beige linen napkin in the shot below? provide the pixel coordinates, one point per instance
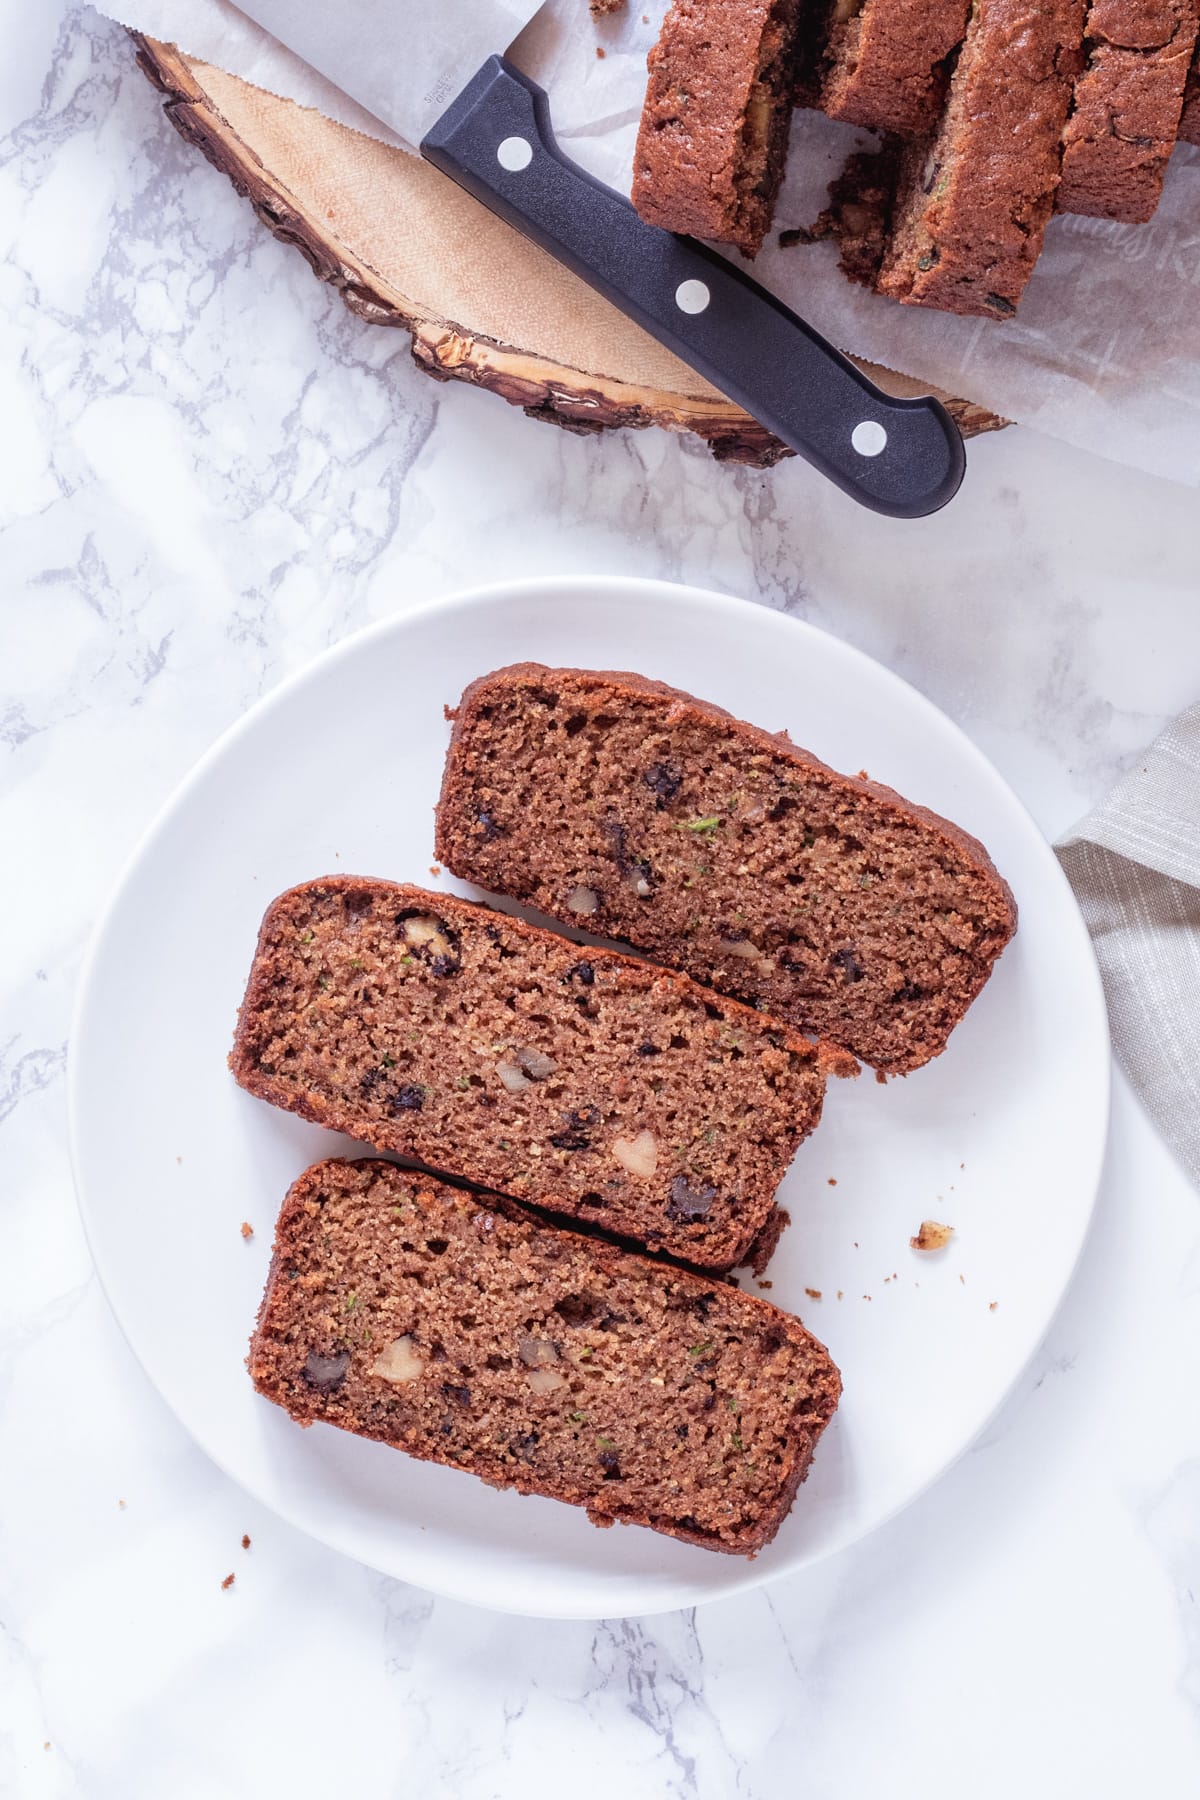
(1134, 864)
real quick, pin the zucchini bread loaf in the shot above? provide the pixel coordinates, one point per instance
(713, 137)
(587, 1082)
(884, 63)
(466, 1333)
(631, 809)
(972, 206)
(1127, 106)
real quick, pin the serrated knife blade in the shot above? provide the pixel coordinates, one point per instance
(404, 60)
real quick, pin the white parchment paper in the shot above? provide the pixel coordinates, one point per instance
(1105, 352)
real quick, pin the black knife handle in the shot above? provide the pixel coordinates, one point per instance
(900, 457)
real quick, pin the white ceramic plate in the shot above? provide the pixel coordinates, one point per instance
(1002, 1137)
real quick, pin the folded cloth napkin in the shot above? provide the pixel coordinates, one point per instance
(1134, 864)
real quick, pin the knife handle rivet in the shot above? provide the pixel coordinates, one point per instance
(869, 438)
(514, 154)
(692, 296)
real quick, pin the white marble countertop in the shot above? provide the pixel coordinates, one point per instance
(208, 472)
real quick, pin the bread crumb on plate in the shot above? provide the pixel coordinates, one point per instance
(931, 1236)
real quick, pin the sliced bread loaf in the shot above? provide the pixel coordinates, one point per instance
(624, 806)
(713, 137)
(467, 1333)
(1127, 107)
(972, 205)
(587, 1082)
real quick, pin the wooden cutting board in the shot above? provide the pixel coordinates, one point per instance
(405, 246)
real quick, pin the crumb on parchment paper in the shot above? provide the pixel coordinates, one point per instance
(813, 1293)
(228, 1582)
(247, 1229)
(245, 1540)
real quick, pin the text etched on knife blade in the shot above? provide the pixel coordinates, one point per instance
(441, 91)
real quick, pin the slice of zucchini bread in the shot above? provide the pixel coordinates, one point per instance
(587, 1082)
(636, 811)
(972, 205)
(465, 1332)
(714, 130)
(885, 63)
(1127, 107)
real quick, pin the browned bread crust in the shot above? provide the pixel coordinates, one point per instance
(972, 206)
(465, 1333)
(713, 136)
(586, 1082)
(618, 803)
(1127, 107)
(884, 62)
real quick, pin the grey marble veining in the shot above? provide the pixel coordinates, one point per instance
(209, 471)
